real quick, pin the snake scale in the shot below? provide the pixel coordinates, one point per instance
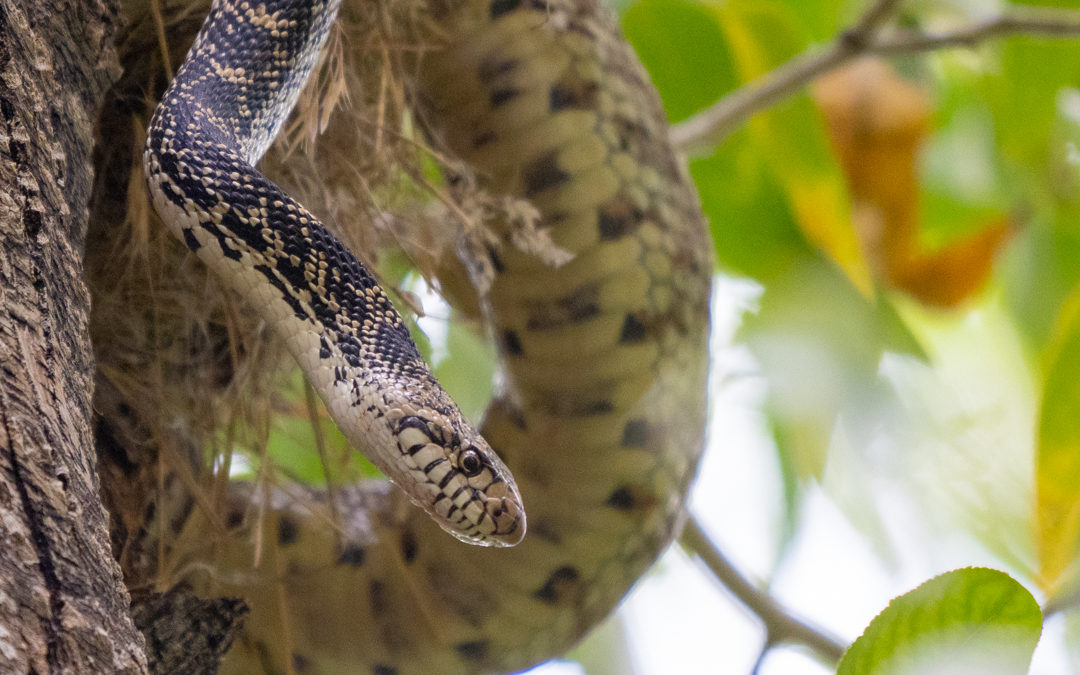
(601, 409)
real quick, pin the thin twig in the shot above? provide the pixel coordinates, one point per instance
(1061, 603)
(1032, 21)
(711, 126)
(875, 15)
(780, 625)
(163, 42)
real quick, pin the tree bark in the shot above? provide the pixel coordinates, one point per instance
(63, 606)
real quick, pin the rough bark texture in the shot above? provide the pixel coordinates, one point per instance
(63, 607)
(185, 634)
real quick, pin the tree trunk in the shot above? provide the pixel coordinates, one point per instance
(63, 606)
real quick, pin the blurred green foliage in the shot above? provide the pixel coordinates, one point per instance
(1003, 146)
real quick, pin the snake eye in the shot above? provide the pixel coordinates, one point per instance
(471, 464)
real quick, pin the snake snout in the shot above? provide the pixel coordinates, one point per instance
(507, 516)
(459, 480)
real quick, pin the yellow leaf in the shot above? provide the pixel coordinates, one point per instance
(761, 36)
(1057, 472)
(877, 123)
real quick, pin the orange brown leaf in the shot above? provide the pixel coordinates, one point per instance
(877, 122)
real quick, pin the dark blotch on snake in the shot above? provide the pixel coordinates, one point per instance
(352, 555)
(545, 530)
(189, 239)
(276, 282)
(229, 252)
(512, 343)
(595, 407)
(234, 518)
(500, 7)
(558, 585)
(379, 669)
(301, 663)
(287, 531)
(633, 330)
(413, 422)
(559, 98)
(516, 417)
(377, 594)
(475, 650)
(579, 306)
(618, 218)
(433, 463)
(635, 433)
(572, 94)
(409, 546)
(496, 261)
(621, 499)
(543, 174)
(490, 68)
(446, 481)
(350, 349)
(482, 139)
(501, 97)
(172, 195)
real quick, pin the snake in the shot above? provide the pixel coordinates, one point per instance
(601, 405)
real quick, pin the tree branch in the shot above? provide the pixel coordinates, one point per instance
(1032, 21)
(711, 126)
(780, 625)
(873, 17)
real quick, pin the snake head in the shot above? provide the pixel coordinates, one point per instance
(456, 477)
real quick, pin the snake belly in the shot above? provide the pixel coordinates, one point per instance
(605, 357)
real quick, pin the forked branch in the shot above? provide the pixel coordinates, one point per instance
(874, 32)
(780, 625)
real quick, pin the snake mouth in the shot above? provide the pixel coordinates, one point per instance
(500, 523)
(462, 484)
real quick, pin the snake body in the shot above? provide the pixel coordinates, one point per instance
(228, 101)
(602, 410)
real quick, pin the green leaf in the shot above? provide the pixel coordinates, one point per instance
(683, 48)
(1040, 270)
(962, 188)
(1030, 92)
(819, 343)
(753, 229)
(761, 36)
(1057, 473)
(304, 453)
(467, 371)
(972, 620)
(822, 19)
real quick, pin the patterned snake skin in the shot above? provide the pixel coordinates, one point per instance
(602, 406)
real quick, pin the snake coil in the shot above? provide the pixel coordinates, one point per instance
(602, 412)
